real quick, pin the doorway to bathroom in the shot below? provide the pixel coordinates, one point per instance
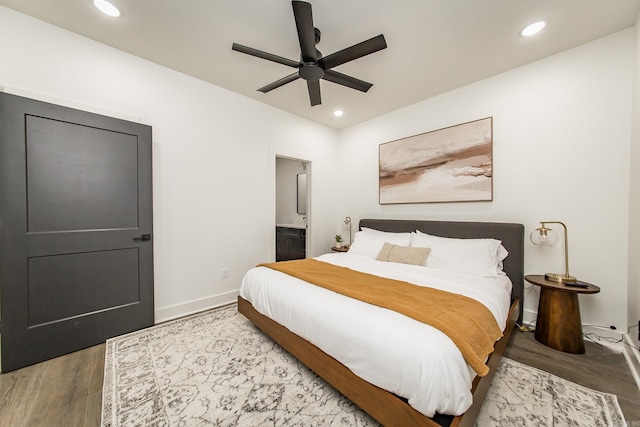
(292, 208)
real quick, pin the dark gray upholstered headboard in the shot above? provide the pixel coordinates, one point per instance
(511, 235)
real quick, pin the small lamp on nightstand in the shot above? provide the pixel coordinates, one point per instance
(544, 236)
(347, 223)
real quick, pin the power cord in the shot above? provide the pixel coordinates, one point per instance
(593, 337)
(525, 328)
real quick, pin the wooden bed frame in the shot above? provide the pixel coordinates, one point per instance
(385, 407)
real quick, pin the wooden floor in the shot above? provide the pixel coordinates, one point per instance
(67, 391)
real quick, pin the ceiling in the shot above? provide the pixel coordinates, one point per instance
(434, 46)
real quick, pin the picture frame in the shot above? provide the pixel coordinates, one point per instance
(452, 164)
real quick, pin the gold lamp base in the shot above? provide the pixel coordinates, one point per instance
(558, 277)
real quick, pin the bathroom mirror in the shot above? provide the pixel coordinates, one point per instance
(302, 193)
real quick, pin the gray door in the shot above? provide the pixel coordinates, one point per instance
(76, 255)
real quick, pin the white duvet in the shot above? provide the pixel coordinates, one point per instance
(406, 357)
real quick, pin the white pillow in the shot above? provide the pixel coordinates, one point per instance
(479, 257)
(369, 242)
(500, 256)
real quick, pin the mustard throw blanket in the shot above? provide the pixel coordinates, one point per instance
(468, 323)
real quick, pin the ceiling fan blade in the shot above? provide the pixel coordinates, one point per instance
(283, 81)
(264, 55)
(306, 33)
(354, 52)
(344, 80)
(314, 92)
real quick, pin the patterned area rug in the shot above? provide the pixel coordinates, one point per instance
(524, 396)
(216, 368)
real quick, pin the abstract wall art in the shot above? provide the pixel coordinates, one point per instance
(454, 164)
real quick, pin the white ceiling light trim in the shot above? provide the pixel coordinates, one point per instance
(532, 29)
(107, 8)
(338, 113)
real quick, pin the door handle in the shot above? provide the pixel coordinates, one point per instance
(144, 237)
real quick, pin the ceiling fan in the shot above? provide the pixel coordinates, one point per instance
(312, 65)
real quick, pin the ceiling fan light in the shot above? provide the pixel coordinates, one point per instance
(107, 8)
(532, 29)
(313, 66)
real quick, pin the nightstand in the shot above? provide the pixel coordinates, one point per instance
(340, 249)
(558, 324)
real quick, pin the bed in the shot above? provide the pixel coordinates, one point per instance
(329, 347)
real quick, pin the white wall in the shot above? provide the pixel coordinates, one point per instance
(634, 198)
(214, 155)
(561, 132)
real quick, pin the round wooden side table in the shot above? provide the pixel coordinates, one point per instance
(558, 324)
(340, 249)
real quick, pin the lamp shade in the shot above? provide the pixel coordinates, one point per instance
(347, 224)
(544, 236)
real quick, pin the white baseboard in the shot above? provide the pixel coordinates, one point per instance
(179, 310)
(612, 339)
(529, 317)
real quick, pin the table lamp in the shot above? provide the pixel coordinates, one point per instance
(545, 236)
(347, 222)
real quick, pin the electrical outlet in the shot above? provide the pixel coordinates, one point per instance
(224, 273)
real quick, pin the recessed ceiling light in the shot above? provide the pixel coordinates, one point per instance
(338, 113)
(107, 8)
(532, 29)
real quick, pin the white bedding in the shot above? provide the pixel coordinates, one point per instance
(406, 357)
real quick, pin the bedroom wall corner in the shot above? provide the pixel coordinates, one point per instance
(175, 311)
(634, 204)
